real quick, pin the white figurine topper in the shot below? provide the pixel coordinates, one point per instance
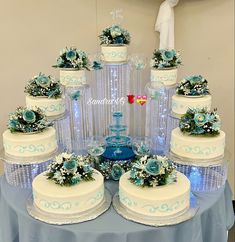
(165, 24)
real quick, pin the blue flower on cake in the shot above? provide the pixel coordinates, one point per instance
(116, 172)
(153, 167)
(200, 119)
(71, 55)
(69, 169)
(28, 120)
(167, 55)
(152, 171)
(42, 80)
(200, 122)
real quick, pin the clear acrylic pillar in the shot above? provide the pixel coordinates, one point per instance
(110, 87)
(80, 116)
(157, 112)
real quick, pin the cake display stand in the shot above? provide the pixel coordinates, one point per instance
(204, 175)
(157, 111)
(20, 172)
(110, 88)
(156, 221)
(61, 219)
(80, 116)
(63, 131)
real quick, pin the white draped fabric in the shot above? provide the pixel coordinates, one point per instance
(165, 24)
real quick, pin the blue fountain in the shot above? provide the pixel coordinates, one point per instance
(118, 146)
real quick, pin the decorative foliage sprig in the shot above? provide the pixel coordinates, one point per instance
(43, 86)
(115, 35)
(69, 169)
(200, 122)
(164, 59)
(111, 170)
(73, 58)
(152, 171)
(27, 120)
(195, 85)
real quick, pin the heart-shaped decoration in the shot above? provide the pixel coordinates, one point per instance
(141, 99)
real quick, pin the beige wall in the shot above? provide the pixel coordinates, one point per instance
(32, 33)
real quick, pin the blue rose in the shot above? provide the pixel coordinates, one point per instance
(118, 40)
(167, 55)
(153, 167)
(13, 124)
(200, 119)
(43, 81)
(133, 174)
(117, 172)
(76, 179)
(70, 164)
(139, 181)
(194, 78)
(71, 55)
(216, 126)
(87, 168)
(29, 116)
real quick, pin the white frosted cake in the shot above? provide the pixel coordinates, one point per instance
(160, 201)
(72, 77)
(197, 147)
(30, 145)
(50, 106)
(56, 199)
(180, 103)
(166, 77)
(114, 53)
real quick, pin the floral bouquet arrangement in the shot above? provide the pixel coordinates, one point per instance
(152, 171)
(115, 35)
(27, 120)
(165, 59)
(73, 58)
(69, 169)
(200, 122)
(195, 85)
(43, 86)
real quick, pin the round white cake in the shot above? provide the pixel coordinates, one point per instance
(72, 77)
(167, 77)
(53, 198)
(114, 53)
(159, 201)
(180, 104)
(30, 145)
(197, 147)
(51, 106)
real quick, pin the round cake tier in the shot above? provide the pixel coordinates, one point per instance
(53, 198)
(197, 147)
(167, 77)
(114, 53)
(51, 106)
(180, 104)
(30, 145)
(157, 201)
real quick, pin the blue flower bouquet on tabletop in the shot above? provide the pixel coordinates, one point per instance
(164, 64)
(114, 41)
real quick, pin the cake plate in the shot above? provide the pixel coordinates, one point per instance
(156, 221)
(61, 219)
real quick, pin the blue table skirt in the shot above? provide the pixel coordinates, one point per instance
(211, 223)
